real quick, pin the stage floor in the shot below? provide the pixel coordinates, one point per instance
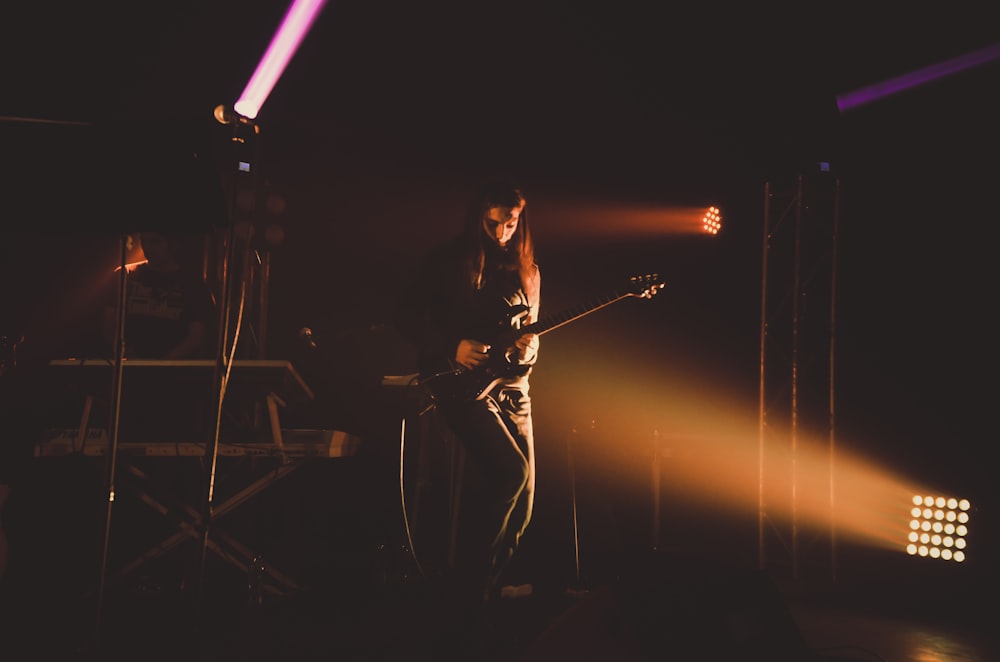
(360, 595)
(662, 606)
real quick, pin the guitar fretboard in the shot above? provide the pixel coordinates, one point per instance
(571, 314)
(638, 286)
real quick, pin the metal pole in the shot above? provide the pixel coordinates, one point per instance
(655, 480)
(263, 291)
(796, 300)
(833, 436)
(220, 376)
(116, 400)
(577, 588)
(762, 413)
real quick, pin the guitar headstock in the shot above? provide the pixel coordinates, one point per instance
(645, 286)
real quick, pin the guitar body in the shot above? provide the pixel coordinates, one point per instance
(461, 385)
(455, 384)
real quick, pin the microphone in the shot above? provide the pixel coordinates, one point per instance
(307, 335)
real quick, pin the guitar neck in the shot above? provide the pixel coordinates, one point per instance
(551, 322)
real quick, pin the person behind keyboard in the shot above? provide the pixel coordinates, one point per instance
(170, 312)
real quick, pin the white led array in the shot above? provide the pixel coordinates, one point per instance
(938, 528)
(711, 222)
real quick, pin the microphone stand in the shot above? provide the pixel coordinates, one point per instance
(242, 128)
(116, 403)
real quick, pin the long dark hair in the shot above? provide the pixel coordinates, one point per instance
(520, 251)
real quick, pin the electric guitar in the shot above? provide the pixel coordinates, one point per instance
(455, 384)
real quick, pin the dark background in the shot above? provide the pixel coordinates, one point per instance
(390, 113)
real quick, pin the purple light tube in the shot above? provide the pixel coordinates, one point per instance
(286, 40)
(864, 95)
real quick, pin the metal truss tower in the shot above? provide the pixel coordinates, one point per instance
(797, 442)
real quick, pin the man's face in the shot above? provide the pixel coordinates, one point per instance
(500, 223)
(155, 247)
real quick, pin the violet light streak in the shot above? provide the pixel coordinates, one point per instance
(286, 40)
(889, 87)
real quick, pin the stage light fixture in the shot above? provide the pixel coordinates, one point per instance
(938, 527)
(711, 221)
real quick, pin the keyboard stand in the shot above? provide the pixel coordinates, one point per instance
(272, 382)
(189, 524)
